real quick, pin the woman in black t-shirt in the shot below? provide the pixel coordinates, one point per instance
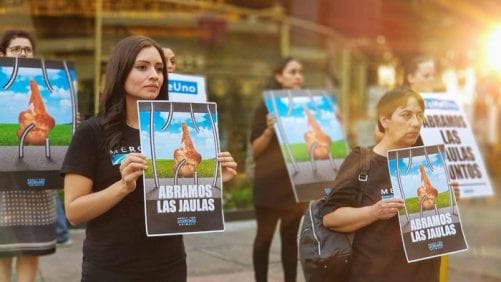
(273, 196)
(107, 194)
(378, 254)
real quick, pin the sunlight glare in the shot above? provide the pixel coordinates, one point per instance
(493, 49)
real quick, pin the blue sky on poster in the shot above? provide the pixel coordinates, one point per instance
(412, 181)
(15, 99)
(169, 140)
(295, 124)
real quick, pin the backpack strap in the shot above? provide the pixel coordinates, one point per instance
(363, 176)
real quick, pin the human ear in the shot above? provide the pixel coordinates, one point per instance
(384, 120)
(410, 79)
(278, 78)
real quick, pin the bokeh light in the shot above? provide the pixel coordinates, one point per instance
(493, 49)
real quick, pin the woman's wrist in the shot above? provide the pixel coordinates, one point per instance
(268, 132)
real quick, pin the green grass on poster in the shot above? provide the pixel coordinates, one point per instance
(300, 153)
(165, 168)
(413, 206)
(59, 135)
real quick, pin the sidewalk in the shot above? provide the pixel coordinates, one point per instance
(482, 226)
(218, 257)
(227, 256)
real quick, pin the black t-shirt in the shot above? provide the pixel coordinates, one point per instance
(117, 239)
(378, 253)
(272, 186)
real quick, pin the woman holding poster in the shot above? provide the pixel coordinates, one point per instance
(27, 218)
(378, 253)
(273, 195)
(103, 172)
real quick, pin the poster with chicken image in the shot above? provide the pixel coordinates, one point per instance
(430, 223)
(38, 106)
(445, 122)
(182, 184)
(311, 137)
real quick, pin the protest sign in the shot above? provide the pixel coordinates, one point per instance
(311, 138)
(183, 184)
(186, 88)
(445, 123)
(38, 106)
(430, 223)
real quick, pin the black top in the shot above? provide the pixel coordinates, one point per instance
(117, 239)
(272, 185)
(378, 253)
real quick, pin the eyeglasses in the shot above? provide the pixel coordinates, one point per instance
(17, 50)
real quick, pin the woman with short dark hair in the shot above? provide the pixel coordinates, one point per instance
(378, 253)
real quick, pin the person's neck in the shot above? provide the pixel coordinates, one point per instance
(131, 119)
(384, 146)
(379, 149)
(131, 123)
(131, 115)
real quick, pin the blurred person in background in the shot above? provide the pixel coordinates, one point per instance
(27, 218)
(170, 59)
(419, 74)
(273, 195)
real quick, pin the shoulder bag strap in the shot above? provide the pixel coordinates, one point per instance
(363, 176)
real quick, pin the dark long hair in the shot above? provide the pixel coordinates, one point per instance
(113, 107)
(279, 68)
(13, 34)
(393, 99)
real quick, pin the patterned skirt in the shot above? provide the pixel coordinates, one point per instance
(27, 223)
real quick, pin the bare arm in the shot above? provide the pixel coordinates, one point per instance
(82, 204)
(260, 144)
(349, 219)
